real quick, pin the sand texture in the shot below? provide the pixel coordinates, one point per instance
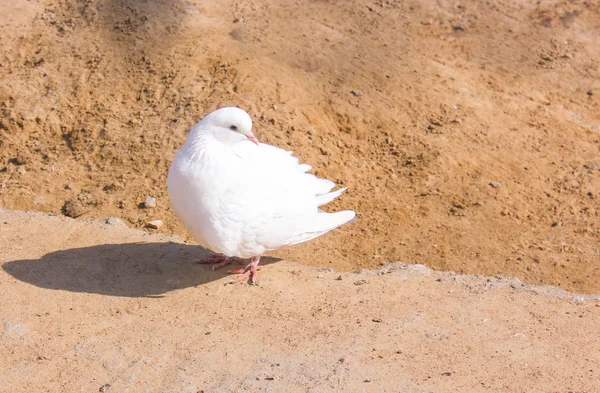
(467, 132)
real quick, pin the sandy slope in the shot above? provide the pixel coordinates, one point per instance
(90, 303)
(468, 132)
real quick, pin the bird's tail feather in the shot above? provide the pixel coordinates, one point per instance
(323, 223)
(330, 196)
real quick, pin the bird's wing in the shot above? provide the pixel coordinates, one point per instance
(281, 200)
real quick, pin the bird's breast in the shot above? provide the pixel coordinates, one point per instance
(204, 200)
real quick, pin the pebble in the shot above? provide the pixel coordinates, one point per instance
(357, 92)
(155, 224)
(591, 92)
(150, 202)
(73, 209)
(495, 184)
(360, 282)
(20, 160)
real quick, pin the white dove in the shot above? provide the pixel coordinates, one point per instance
(241, 198)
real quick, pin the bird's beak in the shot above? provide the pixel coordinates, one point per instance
(251, 136)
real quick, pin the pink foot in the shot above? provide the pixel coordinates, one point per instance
(218, 260)
(249, 271)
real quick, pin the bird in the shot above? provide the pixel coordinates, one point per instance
(240, 198)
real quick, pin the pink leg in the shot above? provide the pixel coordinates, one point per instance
(250, 270)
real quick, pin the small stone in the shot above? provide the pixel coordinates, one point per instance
(339, 278)
(20, 160)
(360, 282)
(150, 202)
(495, 184)
(376, 320)
(155, 224)
(104, 388)
(73, 209)
(357, 92)
(591, 92)
(109, 187)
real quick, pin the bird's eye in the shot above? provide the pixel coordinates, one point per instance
(234, 128)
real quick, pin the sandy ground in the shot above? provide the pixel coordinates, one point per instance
(468, 132)
(91, 305)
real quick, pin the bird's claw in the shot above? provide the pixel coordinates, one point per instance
(220, 260)
(251, 270)
(242, 271)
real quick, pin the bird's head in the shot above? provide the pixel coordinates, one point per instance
(229, 125)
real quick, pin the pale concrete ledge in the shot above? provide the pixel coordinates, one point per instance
(91, 305)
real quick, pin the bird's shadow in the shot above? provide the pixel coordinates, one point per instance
(128, 270)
